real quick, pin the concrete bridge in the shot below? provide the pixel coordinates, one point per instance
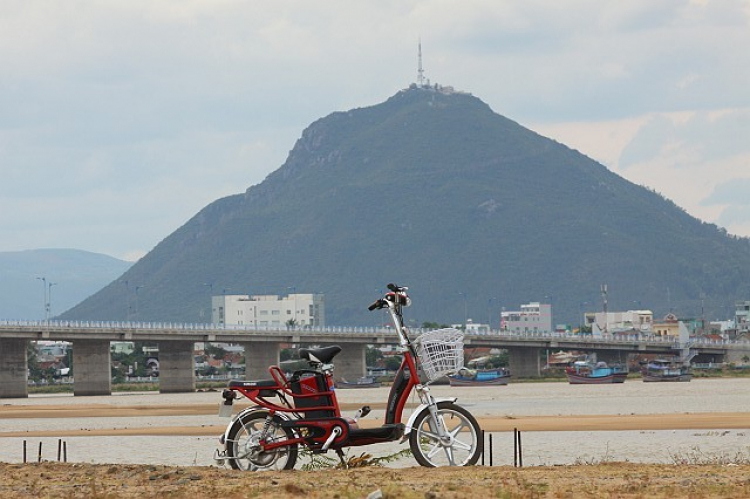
(92, 361)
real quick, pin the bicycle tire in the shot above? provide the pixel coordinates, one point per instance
(243, 451)
(462, 447)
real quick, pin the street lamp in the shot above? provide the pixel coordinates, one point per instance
(44, 303)
(49, 298)
(466, 307)
(294, 294)
(127, 299)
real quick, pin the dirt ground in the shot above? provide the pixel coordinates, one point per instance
(611, 480)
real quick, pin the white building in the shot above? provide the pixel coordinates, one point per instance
(300, 310)
(613, 322)
(742, 316)
(472, 327)
(533, 318)
(53, 348)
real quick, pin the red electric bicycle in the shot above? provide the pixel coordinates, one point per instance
(302, 410)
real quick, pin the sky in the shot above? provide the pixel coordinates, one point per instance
(121, 119)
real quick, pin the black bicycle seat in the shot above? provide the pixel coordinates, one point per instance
(323, 355)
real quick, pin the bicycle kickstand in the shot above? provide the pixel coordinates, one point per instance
(344, 464)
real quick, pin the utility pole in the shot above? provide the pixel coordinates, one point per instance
(45, 302)
(127, 299)
(49, 298)
(604, 299)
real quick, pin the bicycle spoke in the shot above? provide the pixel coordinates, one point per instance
(430, 435)
(434, 450)
(457, 442)
(449, 455)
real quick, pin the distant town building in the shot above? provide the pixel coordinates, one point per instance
(617, 322)
(53, 348)
(298, 310)
(124, 347)
(533, 318)
(667, 327)
(472, 327)
(742, 316)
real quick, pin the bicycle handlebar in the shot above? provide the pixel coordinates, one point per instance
(382, 303)
(377, 304)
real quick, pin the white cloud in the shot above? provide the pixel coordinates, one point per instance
(104, 102)
(697, 159)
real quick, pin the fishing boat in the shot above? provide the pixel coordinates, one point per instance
(480, 377)
(583, 372)
(666, 370)
(363, 382)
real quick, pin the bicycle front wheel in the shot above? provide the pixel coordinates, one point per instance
(461, 444)
(244, 451)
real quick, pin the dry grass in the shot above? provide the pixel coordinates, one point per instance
(611, 480)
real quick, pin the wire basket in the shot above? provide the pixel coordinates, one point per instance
(441, 352)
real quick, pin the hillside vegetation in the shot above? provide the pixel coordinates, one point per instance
(436, 191)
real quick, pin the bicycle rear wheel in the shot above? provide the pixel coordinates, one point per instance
(462, 444)
(243, 448)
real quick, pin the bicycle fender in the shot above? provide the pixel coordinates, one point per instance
(419, 409)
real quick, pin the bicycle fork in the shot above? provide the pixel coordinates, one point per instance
(437, 425)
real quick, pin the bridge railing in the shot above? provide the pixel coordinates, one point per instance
(378, 330)
(614, 338)
(180, 326)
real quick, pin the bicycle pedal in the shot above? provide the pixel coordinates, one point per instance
(220, 457)
(362, 412)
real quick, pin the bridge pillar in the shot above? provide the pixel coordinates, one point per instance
(176, 366)
(258, 357)
(13, 368)
(350, 362)
(92, 368)
(524, 362)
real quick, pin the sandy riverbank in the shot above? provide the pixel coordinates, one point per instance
(701, 421)
(699, 405)
(615, 480)
(178, 422)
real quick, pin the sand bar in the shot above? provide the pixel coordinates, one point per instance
(704, 421)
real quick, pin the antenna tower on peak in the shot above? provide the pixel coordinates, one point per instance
(420, 71)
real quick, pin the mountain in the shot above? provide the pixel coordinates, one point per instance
(434, 190)
(74, 274)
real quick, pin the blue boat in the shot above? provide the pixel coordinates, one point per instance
(480, 377)
(666, 370)
(583, 372)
